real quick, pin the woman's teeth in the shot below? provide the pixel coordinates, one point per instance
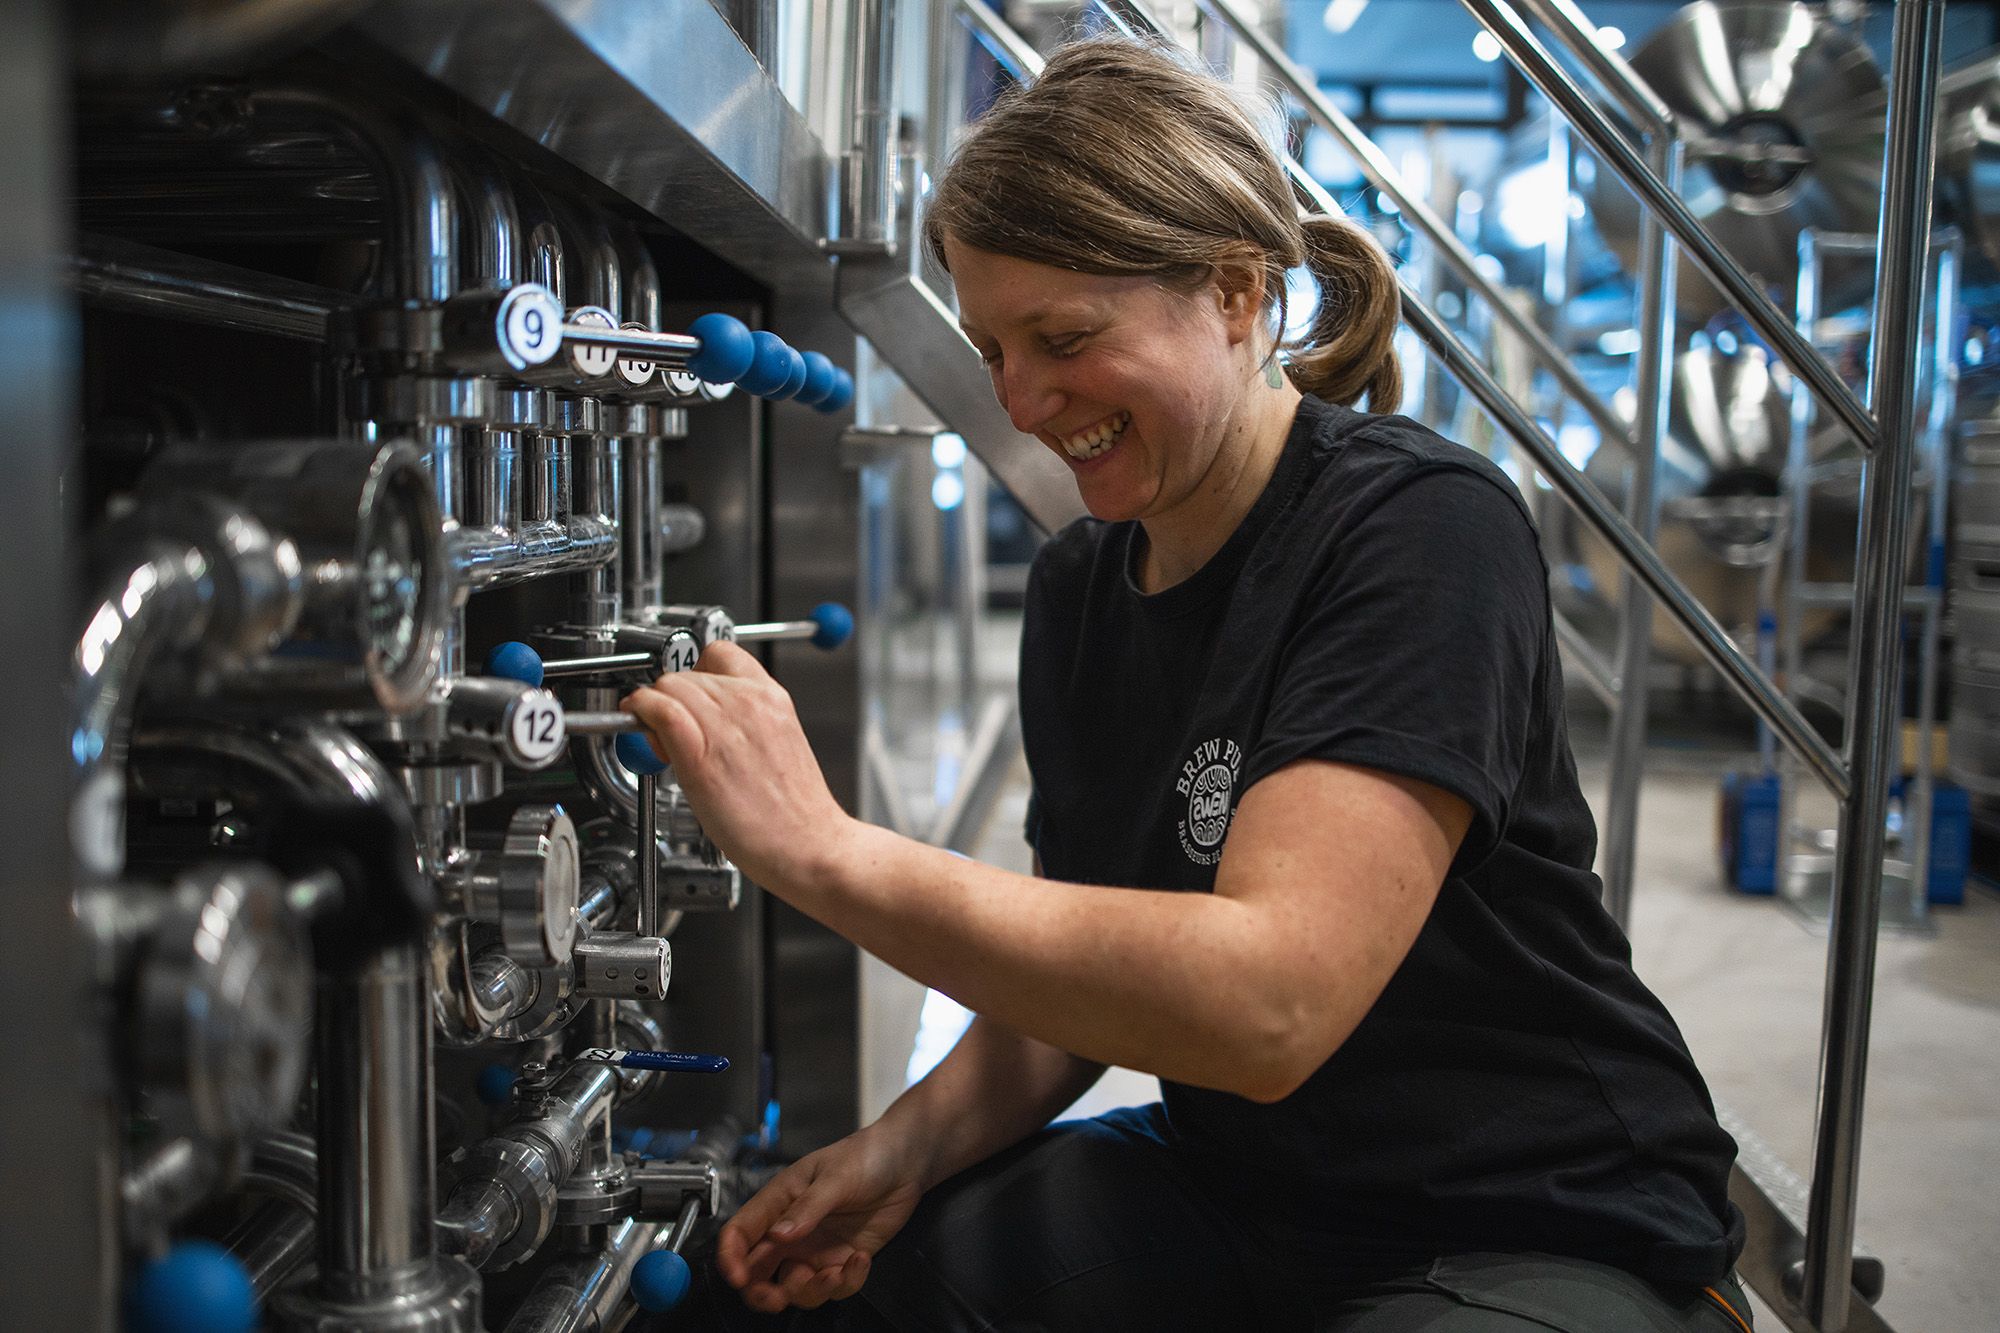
(1098, 438)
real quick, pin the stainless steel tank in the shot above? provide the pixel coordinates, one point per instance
(1783, 113)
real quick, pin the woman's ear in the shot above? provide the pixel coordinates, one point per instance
(1238, 288)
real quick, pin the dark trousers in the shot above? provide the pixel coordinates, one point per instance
(1097, 1225)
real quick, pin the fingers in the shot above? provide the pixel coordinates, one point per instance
(806, 1212)
(743, 1252)
(727, 658)
(670, 723)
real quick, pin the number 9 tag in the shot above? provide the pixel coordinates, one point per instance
(528, 325)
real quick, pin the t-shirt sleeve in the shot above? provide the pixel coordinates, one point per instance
(1418, 647)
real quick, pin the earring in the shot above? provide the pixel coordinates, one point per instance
(1274, 376)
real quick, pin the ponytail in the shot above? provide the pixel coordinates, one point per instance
(1350, 348)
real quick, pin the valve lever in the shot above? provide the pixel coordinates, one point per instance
(673, 1061)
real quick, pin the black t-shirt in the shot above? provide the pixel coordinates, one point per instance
(1385, 604)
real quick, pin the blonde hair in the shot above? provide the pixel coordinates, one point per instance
(1123, 160)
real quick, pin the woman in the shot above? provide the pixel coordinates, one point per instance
(1309, 840)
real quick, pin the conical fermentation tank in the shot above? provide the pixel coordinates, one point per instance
(1782, 113)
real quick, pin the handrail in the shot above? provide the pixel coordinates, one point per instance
(1413, 207)
(1876, 717)
(1826, 386)
(1023, 61)
(1579, 37)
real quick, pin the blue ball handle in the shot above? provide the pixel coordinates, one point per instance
(795, 378)
(660, 1281)
(636, 753)
(515, 660)
(726, 348)
(195, 1287)
(836, 625)
(770, 368)
(821, 377)
(842, 395)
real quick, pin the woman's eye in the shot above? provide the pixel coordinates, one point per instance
(1069, 346)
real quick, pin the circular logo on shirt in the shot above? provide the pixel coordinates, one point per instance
(1208, 805)
(1208, 780)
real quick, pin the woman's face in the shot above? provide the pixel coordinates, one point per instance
(1136, 387)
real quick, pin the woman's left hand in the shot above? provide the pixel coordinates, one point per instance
(737, 750)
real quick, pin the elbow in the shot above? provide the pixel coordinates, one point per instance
(1292, 1046)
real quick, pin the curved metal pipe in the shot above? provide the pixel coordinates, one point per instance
(159, 604)
(493, 253)
(422, 243)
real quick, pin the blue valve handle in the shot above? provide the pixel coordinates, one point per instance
(673, 1061)
(795, 377)
(770, 368)
(515, 660)
(636, 753)
(660, 1281)
(821, 377)
(836, 625)
(842, 395)
(726, 348)
(195, 1287)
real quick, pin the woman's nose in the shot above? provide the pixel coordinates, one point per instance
(1030, 400)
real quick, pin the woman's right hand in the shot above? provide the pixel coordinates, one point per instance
(808, 1236)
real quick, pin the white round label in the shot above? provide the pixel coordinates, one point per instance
(683, 382)
(537, 729)
(529, 326)
(683, 651)
(636, 373)
(593, 362)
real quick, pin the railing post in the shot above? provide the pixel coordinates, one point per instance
(1642, 509)
(1874, 696)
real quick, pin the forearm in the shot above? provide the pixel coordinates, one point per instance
(1175, 984)
(994, 1089)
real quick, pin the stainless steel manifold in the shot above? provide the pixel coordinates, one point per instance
(419, 473)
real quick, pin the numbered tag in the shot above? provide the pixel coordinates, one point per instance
(537, 730)
(684, 383)
(683, 650)
(638, 374)
(592, 362)
(529, 325)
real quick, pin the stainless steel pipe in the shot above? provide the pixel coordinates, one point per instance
(1875, 666)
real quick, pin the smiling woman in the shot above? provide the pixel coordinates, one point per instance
(1309, 842)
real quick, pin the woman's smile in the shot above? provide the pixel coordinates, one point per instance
(1094, 440)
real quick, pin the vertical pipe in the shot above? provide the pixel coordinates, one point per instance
(868, 197)
(639, 535)
(1873, 694)
(1642, 509)
(1944, 399)
(377, 1190)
